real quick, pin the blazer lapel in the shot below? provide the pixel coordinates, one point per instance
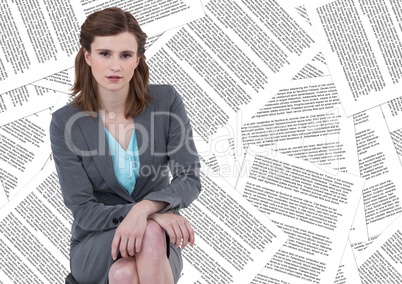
(95, 137)
(143, 133)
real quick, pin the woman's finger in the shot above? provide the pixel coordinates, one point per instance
(171, 234)
(123, 247)
(131, 247)
(191, 234)
(115, 246)
(188, 233)
(138, 243)
(178, 236)
(185, 235)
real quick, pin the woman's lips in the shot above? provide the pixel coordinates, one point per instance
(113, 78)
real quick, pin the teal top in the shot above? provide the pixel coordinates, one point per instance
(126, 163)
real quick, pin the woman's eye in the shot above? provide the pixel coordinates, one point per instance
(104, 53)
(126, 55)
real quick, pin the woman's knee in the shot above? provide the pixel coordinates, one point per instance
(124, 270)
(154, 240)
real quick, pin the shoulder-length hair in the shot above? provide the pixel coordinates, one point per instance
(108, 22)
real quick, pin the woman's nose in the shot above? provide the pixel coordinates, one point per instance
(115, 64)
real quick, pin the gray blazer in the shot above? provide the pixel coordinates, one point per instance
(85, 169)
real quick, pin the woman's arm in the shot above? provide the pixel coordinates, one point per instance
(184, 162)
(76, 187)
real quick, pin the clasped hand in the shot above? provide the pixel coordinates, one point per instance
(129, 234)
(177, 227)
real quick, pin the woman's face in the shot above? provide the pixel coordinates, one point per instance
(113, 60)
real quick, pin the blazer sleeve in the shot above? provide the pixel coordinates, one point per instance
(183, 159)
(76, 188)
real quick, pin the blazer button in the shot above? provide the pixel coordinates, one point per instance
(115, 221)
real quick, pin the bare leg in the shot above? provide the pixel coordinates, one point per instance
(124, 271)
(152, 263)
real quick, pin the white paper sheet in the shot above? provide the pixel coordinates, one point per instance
(363, 49)
(314, 207)
(37, 39)
(392, 112)
(25, 101)
(24, 147)
(189, 274)
(348, 272)
(154, 16)
(306, 120)
(234, 240)
(381, 262)
(3, 196)
(35, 232)
(380, 166)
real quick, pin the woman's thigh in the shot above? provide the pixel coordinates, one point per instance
(91, 259)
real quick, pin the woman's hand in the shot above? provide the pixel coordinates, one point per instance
(129, 234)
(177, 227)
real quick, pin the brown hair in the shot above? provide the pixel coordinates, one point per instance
(107, 22)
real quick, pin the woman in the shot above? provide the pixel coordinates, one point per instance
(114, 147)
